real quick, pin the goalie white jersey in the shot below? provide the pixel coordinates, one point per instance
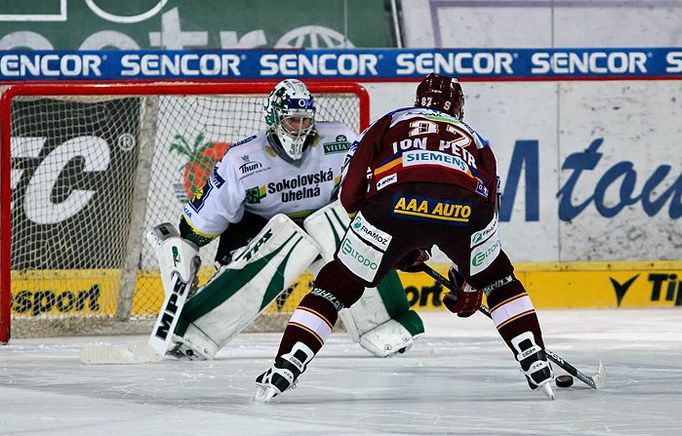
(252, 177)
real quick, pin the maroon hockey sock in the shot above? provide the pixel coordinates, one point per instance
(311, 323)
(513, 313)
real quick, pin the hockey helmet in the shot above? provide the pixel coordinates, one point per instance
(442, 93)
(290, 117)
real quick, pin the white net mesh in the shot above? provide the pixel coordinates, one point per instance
(91, 174)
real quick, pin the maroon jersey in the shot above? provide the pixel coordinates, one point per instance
(418, 145)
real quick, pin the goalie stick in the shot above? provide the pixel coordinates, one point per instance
(597, 381)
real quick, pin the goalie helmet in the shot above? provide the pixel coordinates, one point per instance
(290, 117)
(442, 93)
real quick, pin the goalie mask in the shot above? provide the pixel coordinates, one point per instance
(290, 117)
(442, 93)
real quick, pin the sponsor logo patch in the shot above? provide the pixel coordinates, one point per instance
(341, 145)
(255, 194)
(250, 167)
(483, 255)
(452, 212)
(427, 157)
(482, 235)
(360, 258)
(369, 233)
(388, 180)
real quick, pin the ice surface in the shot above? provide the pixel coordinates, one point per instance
(459, 379)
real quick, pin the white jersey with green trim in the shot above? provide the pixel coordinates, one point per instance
(252, 177)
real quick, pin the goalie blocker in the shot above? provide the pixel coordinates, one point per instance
(381, 322)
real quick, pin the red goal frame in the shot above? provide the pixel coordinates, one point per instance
(117, 88)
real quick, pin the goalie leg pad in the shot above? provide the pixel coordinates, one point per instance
(241, 290)
(384, 310)
(178, 264)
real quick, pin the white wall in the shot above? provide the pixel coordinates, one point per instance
(541, 23)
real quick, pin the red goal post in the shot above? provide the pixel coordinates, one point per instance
(86, 167)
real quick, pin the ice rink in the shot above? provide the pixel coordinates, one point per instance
(459, 379)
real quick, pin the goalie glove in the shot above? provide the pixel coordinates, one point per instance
(463, 300)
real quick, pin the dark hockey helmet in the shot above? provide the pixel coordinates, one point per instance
(442, 93)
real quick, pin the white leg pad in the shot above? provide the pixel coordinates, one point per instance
(240, 291)
(178, 263)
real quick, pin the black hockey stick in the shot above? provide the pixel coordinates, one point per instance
(596, 381)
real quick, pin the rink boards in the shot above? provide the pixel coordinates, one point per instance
(550, 285)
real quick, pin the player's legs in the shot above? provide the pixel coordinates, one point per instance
(374, 243)
(366, 253)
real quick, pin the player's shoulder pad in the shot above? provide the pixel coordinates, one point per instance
(480, 140)
(244, 141)
(401, 110)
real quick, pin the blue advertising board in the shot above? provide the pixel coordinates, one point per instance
(345, 64)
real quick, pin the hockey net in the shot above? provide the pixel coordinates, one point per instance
(90, 167)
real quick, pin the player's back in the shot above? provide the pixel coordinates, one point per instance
(426, 145)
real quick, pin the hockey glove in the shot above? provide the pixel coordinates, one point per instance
(463, 300)
(414, 260)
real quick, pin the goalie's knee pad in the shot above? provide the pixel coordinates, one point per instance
(241, 290)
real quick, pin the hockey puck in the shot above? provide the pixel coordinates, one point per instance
(563, 381)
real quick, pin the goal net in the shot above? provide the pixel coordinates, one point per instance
(88, 168)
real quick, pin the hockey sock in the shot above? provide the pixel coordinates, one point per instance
(312, 321)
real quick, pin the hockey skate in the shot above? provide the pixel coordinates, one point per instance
(283, 374)
(534, 364)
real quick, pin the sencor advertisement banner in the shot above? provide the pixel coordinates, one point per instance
(357, 64)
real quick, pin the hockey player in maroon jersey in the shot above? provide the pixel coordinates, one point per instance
(418, 177)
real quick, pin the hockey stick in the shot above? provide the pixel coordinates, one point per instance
(596, 381)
